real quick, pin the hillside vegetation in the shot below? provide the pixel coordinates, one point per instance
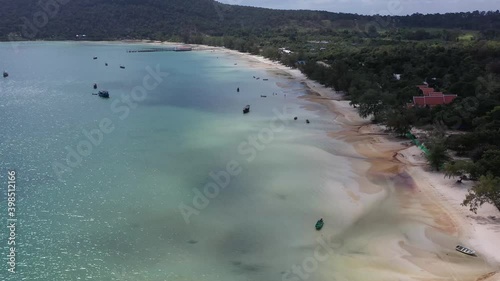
(163, 19)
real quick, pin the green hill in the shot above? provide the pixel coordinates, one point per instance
(162, 19)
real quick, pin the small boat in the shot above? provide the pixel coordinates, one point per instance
(319, 224)
(95, 86)
(262, 96)
(265, 79)
(103, 94)
(95, 58)
(246, 109)
(122, 67)
(238, 90)
(106, 64)
(5, 74)
(307, 121)
(465, 250)
(295, 118)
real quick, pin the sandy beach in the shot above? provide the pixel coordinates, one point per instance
(409, 232)
(428, 198)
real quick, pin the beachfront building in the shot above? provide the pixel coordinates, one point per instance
(431, 98)
(285, 51)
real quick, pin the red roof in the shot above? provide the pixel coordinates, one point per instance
(427, 91)
(419, 101)
(436, 94)
(433, 100)
(449, 98)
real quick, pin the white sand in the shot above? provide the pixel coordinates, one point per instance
(439, 197)
(480, 232)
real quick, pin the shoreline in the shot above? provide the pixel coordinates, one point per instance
(390, 159)
(390, 156)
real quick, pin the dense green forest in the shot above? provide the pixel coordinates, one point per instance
(164, 19)
(359, 55)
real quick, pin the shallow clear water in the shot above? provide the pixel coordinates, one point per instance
(116, 214)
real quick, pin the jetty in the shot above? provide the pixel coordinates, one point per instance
(163, 49)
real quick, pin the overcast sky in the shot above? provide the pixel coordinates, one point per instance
(386, 7)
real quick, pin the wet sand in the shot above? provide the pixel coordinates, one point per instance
(409, 231)
(407, 220)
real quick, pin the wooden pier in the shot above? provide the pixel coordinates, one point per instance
(163, 49)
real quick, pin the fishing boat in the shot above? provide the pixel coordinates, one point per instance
(319, 224)
(122, 67)
(246, 109)
(465, 250)
(5, 74)
(103, 94)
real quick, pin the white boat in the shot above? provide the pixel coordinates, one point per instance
(465, 250)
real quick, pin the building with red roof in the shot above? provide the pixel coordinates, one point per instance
(431, 98)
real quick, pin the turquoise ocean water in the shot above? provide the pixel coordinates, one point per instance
(115, 215)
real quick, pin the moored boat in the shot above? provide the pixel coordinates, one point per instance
(319, 224)
(246, 109)
(103, 94)
(465, 250)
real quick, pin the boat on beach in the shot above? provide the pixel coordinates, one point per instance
(319, 224)
(246, 109)
(465, 250)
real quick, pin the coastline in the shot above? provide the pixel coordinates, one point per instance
(389, 157)
(391, 160)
